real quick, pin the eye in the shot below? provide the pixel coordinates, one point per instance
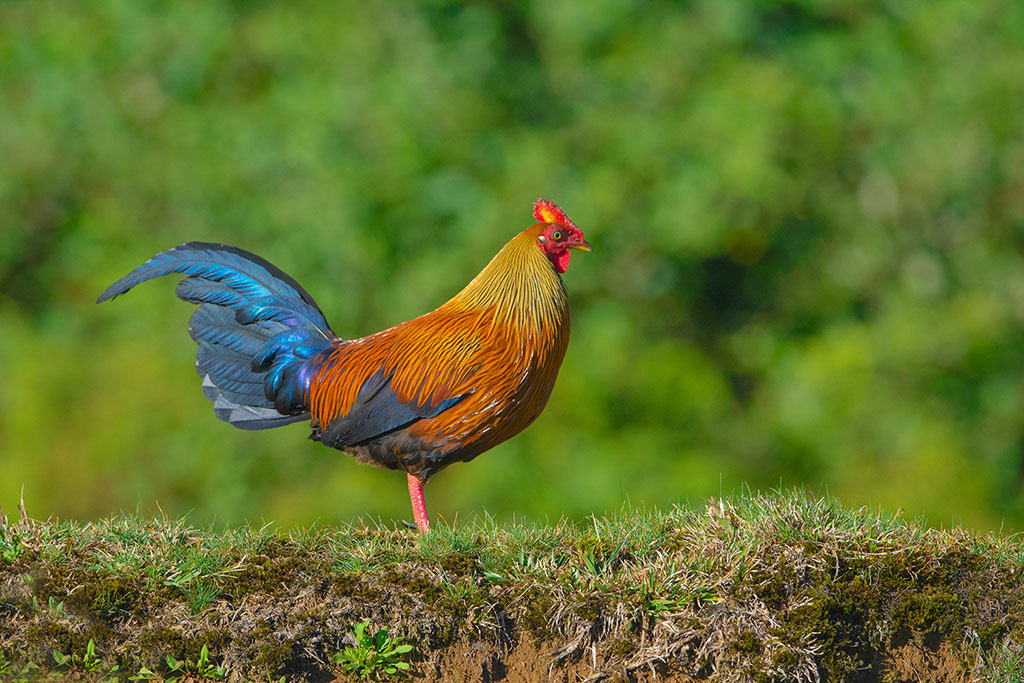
(556, 235)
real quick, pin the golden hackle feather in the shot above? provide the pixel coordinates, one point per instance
(500, 342)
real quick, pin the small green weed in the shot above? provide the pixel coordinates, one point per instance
(90, 662)
(55, 608)
(10, 550)
(178, 668)
(377, 656)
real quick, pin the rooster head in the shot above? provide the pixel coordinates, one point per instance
(558, 234)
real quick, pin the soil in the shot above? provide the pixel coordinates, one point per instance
(914, 662)
(530, 663)
(524, 664)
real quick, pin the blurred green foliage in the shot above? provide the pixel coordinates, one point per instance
(808, 221)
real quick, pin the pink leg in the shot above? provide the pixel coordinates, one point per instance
(419, 506)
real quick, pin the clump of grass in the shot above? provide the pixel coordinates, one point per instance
(778, 587)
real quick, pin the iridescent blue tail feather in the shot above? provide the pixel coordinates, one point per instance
(256, 329)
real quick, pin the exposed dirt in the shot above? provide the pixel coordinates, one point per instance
(917, 662)
(532, 663)
(524, 664)
(529, 663)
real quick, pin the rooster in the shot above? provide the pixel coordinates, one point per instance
(438, 389)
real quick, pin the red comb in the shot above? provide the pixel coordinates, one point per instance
(549, 212)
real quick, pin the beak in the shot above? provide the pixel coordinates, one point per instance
(582, 245)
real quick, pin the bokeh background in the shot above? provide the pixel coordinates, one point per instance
(808, 222)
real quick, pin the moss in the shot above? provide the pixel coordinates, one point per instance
(273, 658)
(836, 618)
(590, 609)
(621, 648)
(461, 564)
(456, 607)
(785, 659)
(413, 584)
(262, 630)
(42, 637)
(747, 643)
(111, 595)
(96, 595)
(160, 642)
(534, 614)
(771, 589)
(909, 595)
(264, 574)
(354, 587)
(342, 583)
(930, 612)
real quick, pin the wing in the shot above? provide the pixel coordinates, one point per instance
(366, 388)
(377, 411)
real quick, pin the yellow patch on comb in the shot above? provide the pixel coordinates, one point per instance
(547, 215)
(548, 212)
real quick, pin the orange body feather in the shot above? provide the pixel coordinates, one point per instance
(499, 343)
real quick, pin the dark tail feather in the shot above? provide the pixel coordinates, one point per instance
(256, 329)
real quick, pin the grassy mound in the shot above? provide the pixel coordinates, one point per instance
(780, 587)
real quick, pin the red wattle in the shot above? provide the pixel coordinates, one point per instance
(561, 260)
